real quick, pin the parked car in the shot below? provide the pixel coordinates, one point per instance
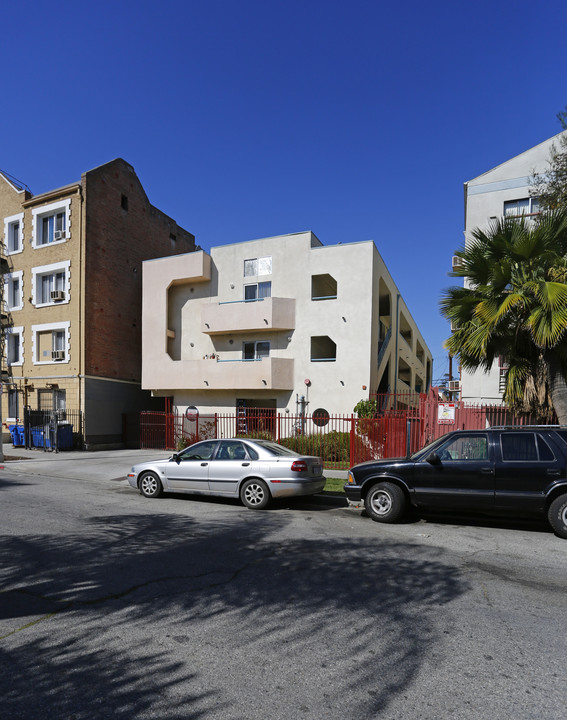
(253, 470)
(514, 470)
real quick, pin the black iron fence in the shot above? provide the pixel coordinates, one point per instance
(49, 430)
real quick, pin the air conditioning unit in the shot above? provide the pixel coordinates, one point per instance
(457, 262)
(59, 234)
(454, 326)
(57, 295)
(454, 385)
(58, 354)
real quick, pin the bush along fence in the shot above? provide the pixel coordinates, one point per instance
(400, 424)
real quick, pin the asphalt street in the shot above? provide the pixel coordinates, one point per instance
(112, 605)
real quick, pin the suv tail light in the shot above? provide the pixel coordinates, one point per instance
(299, 466)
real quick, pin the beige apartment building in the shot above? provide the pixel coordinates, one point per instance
(503, 191)
(283, 322)
(72, 295)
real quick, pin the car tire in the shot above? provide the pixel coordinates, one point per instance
(557, 515)
(385, 502)
(150, 485)
(255, 494)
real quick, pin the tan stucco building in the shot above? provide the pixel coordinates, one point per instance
(267, 322)
(72, 293)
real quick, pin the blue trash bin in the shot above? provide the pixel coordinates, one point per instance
(38, 438)
(65, 436)
(17, 434)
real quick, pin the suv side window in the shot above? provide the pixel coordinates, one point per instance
(524, 447)
(545, 452)
(465, 447)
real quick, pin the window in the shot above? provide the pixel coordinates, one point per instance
(124, 202)
(13, 405)
(200, 451)
(50, 343)
(255, 350)
(465, 447)
(14, 233)
(525, 206)
(50, 284)
(50, 223)
(524, 446)
(13, 295)
(15, 345)
(231, 450)
(51, 399)
(323, 349)
(258, 266)
(323, 287)
(258, 291)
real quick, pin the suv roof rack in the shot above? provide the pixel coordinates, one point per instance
(522, 427)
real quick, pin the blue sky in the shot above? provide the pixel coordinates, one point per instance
(246, 119)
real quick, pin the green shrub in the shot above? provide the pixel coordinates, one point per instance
(333, 446)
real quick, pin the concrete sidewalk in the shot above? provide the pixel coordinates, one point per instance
(76, 464)
(96, 465)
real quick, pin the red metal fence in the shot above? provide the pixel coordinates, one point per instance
(402, 424)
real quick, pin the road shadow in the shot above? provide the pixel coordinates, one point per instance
(352, 610)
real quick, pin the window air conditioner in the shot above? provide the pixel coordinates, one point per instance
(58, 354)
(59, 234)
(457, 262)
(454, 385)
(57, 295)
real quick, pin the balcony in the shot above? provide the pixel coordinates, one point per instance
(269, 373)
(248, 316)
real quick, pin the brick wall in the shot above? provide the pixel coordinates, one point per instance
(122, 229)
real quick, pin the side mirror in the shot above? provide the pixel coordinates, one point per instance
(433, 459)
(175, 458)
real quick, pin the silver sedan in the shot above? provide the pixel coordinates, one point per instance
(253, 470)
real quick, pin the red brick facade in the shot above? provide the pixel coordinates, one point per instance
(121, 230)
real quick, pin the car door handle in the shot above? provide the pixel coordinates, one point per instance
(245, 464)
(555, 473)
(204, 464)
(487, 471)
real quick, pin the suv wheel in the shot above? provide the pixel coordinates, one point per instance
(557, 515)
(385, 502)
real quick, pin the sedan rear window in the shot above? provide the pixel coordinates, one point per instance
(275, 449)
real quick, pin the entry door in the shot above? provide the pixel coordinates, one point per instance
(232, 463)
(190, 472)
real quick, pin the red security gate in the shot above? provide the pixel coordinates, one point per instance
(403, 424)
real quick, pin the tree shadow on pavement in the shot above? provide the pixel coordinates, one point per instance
(313, 619)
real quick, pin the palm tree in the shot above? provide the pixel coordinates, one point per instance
(514, 305)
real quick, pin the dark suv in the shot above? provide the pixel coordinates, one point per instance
(499, 469)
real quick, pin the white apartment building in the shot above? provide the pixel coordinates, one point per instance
(275, 322)
(502, 191)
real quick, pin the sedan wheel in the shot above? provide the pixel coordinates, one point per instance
(385, 502)
(255, 494)
(150, 485)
